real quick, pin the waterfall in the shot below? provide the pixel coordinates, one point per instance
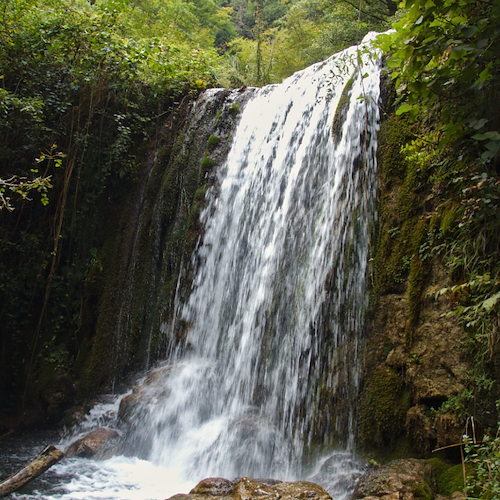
(275, 315)
(264, 377)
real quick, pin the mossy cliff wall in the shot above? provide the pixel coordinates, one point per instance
(145, 257)
(413, 357)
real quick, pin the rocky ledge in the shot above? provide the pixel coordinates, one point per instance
(404, 479)
(246, 489)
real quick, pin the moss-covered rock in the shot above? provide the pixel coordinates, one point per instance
(341, 111)
(402, 479)
(448, 477)
(408, 335)
(383, 408)
(152, 233)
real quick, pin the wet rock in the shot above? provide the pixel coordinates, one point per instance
(128, 406)
(213, 486)
(74, 416)
(152, 391)
(98, 444)
(419, 425)
(250, 489)
(301, 490)
(406, 479)
(449, 430)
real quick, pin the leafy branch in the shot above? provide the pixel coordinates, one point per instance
(22, 187)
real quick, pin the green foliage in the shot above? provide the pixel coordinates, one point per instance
(444, 59)
(283, 37)
(484, 456)
(22, 187)
(70, 75)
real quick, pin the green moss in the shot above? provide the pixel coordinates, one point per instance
(421, 491)
(206, 165)
(234, 109)
(218, 115)
(402, 229)
(196, 206)
(448, 477)
(452, 213)
(383, 408)
(212, 142)
(414, 295)
(395, 250)
(394, 131)
(341, 111)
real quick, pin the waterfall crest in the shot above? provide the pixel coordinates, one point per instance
(275, 316)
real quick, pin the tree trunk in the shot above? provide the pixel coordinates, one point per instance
(45, 459)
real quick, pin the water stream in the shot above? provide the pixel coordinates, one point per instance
(266, 382)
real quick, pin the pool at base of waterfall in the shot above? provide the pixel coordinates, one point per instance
(130, 478)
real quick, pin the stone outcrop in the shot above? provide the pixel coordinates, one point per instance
(400, 480)
(430, 367)
(406, 479)
(99, 444)
(413, 356)
(143, 394)
(250, 489)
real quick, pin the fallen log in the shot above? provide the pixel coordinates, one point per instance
(45, 459)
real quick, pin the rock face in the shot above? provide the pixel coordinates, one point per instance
(430, 369)
(413, 356)
(409, 479)
(405, 479)
(99, 444)
(248, 489)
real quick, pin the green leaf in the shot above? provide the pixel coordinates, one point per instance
(492, 135)
(490, 303)
(478, 124)
(404, 108)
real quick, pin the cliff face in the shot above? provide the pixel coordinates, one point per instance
(414, 362)
(121, 300)
(150, 239)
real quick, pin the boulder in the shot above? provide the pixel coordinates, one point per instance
(250, 489)
(405, 479)
(214, 486)
(99, 444)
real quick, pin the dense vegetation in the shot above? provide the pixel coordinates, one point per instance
(84, 87)
(444, 61)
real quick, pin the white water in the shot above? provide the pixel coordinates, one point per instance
(277, 305)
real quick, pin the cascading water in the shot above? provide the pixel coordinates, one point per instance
(286, 230)
(276, 310)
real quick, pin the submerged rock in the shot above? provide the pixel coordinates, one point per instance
(98, 444)
(249, 489)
